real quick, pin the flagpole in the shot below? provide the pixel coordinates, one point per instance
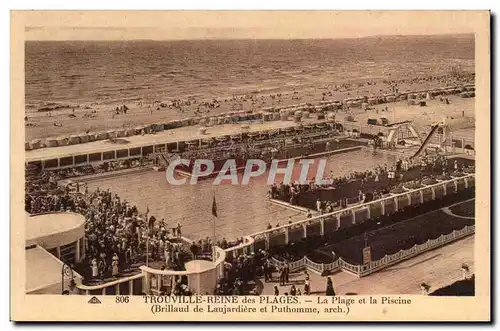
(214, 258)
(147, 238)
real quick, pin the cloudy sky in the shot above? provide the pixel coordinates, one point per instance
(238, 25)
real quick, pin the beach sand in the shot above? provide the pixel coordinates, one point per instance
(41, 124)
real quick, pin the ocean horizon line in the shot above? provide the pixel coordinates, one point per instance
(384, 36)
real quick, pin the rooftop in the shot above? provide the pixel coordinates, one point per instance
(169, 136)
(43, 272)
(41, 227)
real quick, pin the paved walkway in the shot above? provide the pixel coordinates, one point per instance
(438, 268)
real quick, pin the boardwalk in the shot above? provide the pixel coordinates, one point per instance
(438, 268)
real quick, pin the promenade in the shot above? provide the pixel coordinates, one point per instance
(437, 268)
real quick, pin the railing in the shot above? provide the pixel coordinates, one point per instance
(216, 270)
(88, 289)
(245, 247)
(415, 250)
(248, 245)
(352, 209)
(386, 261)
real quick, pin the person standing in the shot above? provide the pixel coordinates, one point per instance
(318, 205)
(114, 265)
(282, 276)
(276, 291)
(329, 287)
(307, 286)
(179, 232)
(95, 269)
(286, 271)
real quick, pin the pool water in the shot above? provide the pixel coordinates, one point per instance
(241, 209)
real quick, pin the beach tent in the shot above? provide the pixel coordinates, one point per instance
(330, 117)
(73, 139)
(111, 134)
(297, 116)
(27, 146)
(186, 122)
(158, 127)
(138, 129)
(172, 125)
(49, 142)
(120, 133)
(283, 115)
(255, 116)
(62, 141)
(243, 116)
(212, 121)
(357, 103)
(92, 136)
(202, 121)
(129, 132)
(37, 143)
(84, 138)
(266, 117)
(390, 98)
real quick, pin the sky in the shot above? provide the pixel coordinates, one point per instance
(168, 25)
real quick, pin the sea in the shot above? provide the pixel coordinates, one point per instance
(110, 72)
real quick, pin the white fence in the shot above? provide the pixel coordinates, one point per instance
(386, 261)
(396, 201)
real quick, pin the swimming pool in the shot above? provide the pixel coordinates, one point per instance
(242, 210)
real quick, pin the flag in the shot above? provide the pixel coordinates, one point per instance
(214, 207)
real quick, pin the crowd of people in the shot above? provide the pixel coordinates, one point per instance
(365, 186)
(117, 235)
(88, 169)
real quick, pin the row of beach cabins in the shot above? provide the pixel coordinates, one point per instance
(295, 112)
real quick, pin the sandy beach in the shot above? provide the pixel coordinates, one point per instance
(100, 117)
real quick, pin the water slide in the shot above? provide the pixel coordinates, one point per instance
(414, 132)
(391, 135)
(426, 141)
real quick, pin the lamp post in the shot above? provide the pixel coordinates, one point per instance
(67, 271)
